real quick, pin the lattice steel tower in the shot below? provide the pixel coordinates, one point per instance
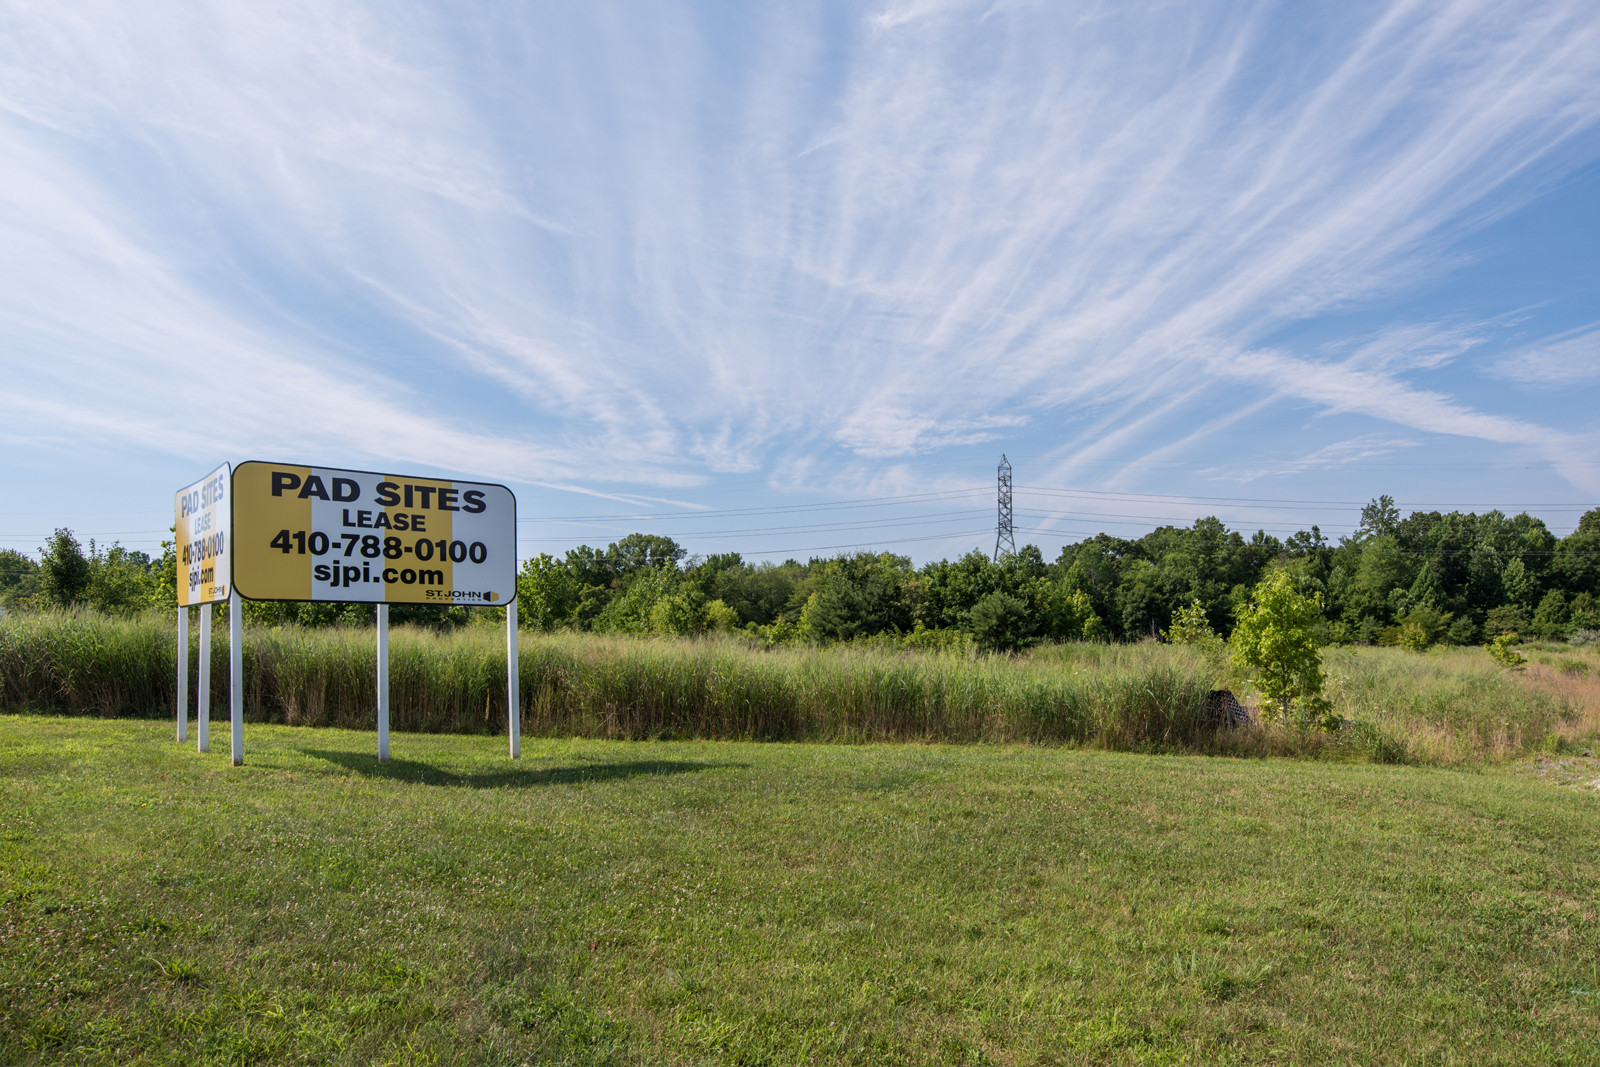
(1005, 543)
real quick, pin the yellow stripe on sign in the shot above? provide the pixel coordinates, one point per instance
(423, 567)
(181, 535)
(268, 508)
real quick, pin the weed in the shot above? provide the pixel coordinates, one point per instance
(178, 969)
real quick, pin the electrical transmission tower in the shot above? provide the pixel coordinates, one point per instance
(1005, 543)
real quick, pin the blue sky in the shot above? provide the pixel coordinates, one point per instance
(789, 278)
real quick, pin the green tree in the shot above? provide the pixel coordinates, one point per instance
(634, 611)
(834, 612)
(1306, 543)
(756, 594)
(951, 589)
(639, 550)
(1584, 613)
(1000, 622)
(1380, 518)
(165, 575)
(1422, 626)
(1517, 585)
(19, 578)
(1276, 642)
(1552, 619)
(1069, 614)
(547, 593)
(1502, 652)
(1096, 567)
(121, 580)
(682, 612)
(720, 617)
(1575, 565)
(1191, 627)
(859, 595)
(1383, 575)
(593, 576)
(64, 571)
(1506, 619)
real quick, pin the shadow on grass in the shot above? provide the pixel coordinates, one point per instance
(512, 777)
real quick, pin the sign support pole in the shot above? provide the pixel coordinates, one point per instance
(183, 674)
(513, 680)
(203, 712)
(236, 674)
(383, 683)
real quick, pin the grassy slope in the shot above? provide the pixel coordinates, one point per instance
(741, 903)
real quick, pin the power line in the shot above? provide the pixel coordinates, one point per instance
(866, 524)
(832, 505)
(1281, 502)
(867, 544)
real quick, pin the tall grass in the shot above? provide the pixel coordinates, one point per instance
(86, 663)
(592, 686)
(1444, 706)
(1452, 704)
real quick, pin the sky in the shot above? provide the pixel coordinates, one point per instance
(789, 279)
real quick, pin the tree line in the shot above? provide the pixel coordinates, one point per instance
(1428, 578)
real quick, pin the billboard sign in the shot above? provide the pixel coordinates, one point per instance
(202, 518)
(321, 533)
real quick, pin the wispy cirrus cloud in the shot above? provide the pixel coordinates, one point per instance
(1338, 454)
(1568, 359)
(658, 245)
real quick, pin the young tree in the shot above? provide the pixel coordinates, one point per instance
(1501, 652)
(1276, 641)
(1191, 627)
(64, 570)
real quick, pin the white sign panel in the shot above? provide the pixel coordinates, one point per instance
(203, 519)
(322, 533)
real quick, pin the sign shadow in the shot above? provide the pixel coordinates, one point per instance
(404, 770)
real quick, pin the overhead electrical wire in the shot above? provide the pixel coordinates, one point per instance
(890, 522)
(828, 505)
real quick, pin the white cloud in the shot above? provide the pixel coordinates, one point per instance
(1570, 359)
(1328, 457)
(600, 244)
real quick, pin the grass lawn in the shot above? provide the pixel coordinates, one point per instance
(715, 902)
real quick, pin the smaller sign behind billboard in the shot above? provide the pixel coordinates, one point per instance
(202, 519)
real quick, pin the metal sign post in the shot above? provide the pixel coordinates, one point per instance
(513, 681)
(202, 712)
(383, 682)
(236, 676)
(183, 674)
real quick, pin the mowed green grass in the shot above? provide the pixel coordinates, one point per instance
(714, 902)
